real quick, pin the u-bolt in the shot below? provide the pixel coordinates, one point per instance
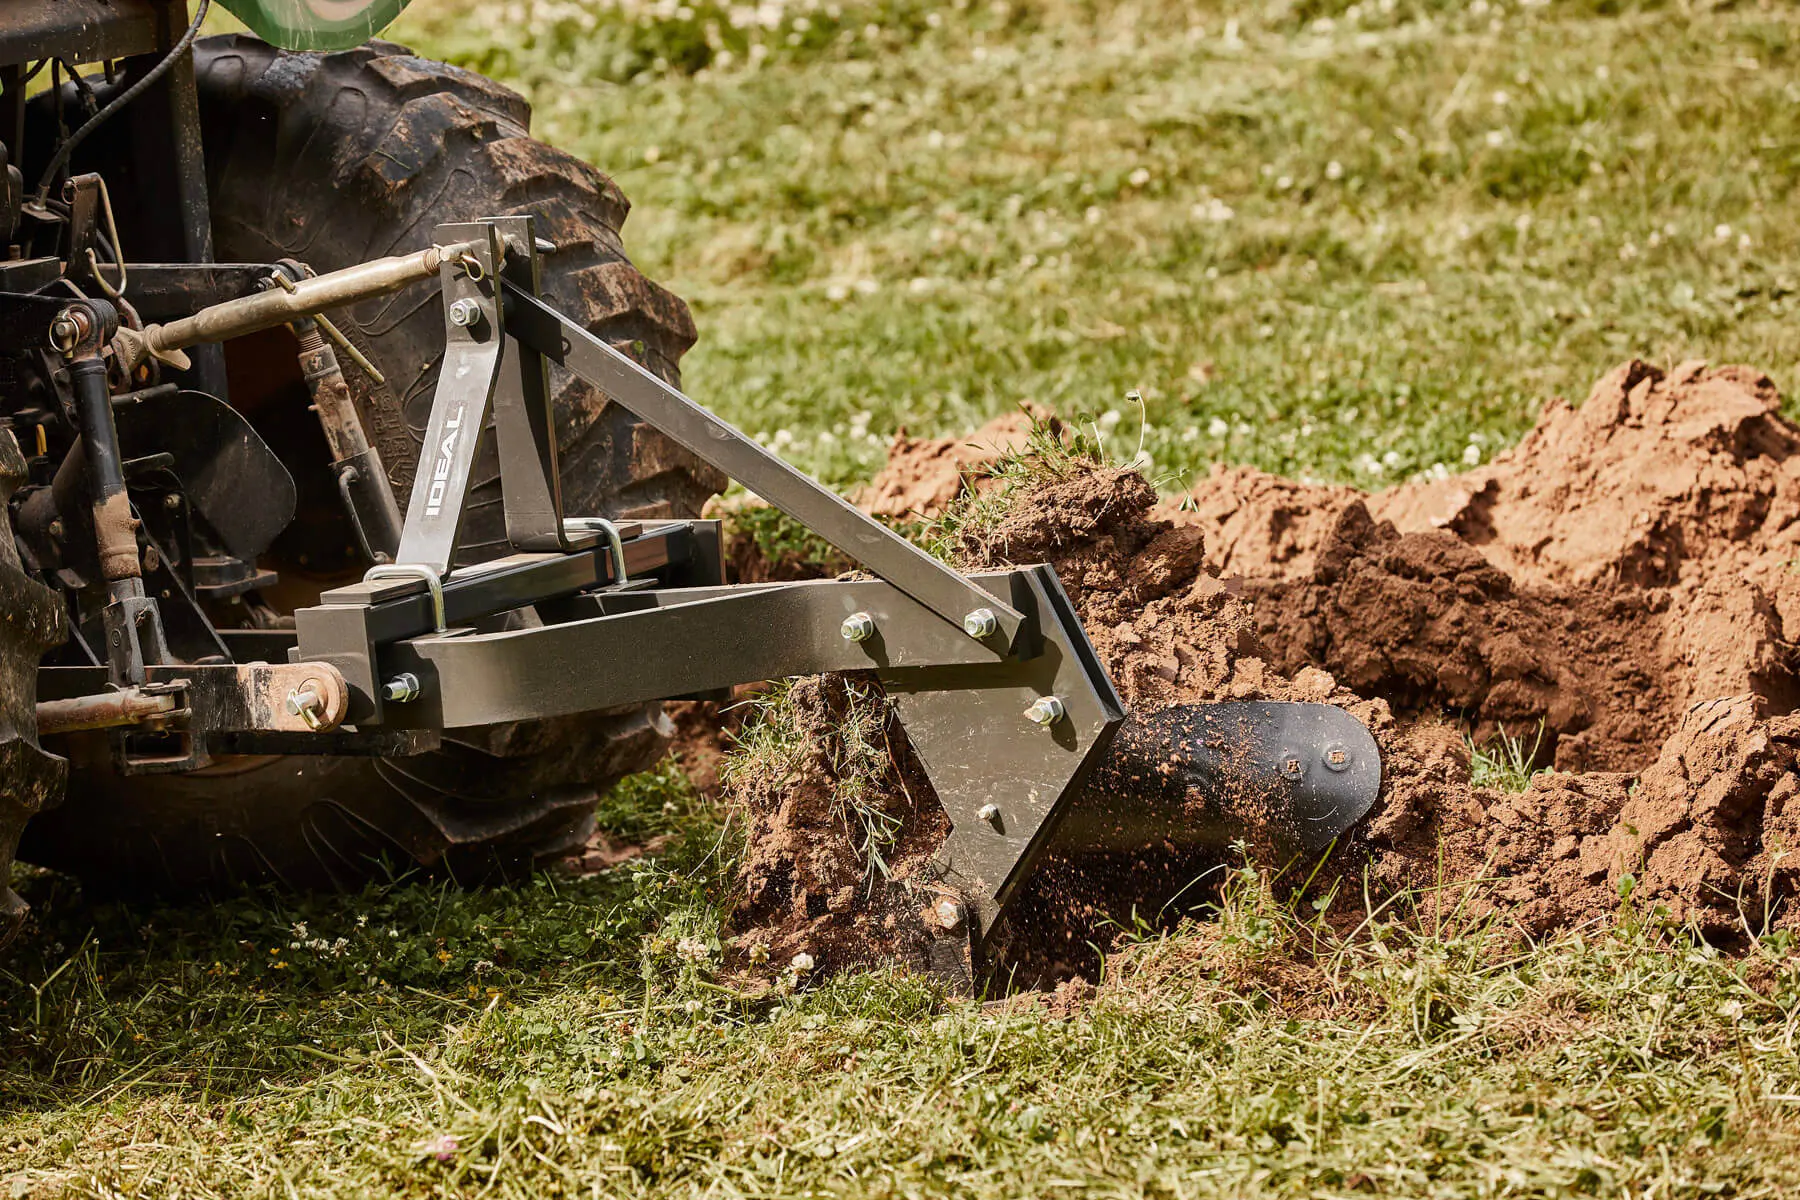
(433, 582)
(603, 526)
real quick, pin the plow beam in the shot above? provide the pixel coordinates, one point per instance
(1007, 739)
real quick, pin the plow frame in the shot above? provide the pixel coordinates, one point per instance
(992, 676)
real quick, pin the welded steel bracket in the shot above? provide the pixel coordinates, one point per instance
(1005, 779)
(525, 415)
(473, 345)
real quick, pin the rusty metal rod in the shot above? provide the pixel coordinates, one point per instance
(278, 306)
(108, 710)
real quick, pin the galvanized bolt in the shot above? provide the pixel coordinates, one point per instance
(465, 314)
(949, 913)
(172, 501)
(1045, 710)
(858, 627)
(988, 812)
(1337, 757)
(401, 689)
(306, 703)
(981, 623)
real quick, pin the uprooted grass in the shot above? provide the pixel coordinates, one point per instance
(1254, 1052)
(773, 746)
(1505, 761)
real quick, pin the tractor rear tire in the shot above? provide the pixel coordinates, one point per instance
(335, 159)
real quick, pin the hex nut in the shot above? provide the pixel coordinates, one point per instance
(982, 623)
(858, 627)
(465, 314)
(1046, 710)
(401, 689)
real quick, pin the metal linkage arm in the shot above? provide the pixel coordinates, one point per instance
(869, 543)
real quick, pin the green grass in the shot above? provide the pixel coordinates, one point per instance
(574, 1039)
(1349, 248)
(918, 215)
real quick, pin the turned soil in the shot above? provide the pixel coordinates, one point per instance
(1620, 591)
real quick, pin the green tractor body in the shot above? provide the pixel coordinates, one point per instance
(316, 24)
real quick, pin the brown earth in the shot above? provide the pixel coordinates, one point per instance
(1625, 576)
(809, 798)
(1673, 499)
(924, 475)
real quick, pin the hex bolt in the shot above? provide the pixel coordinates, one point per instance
(858, 627)
(1336, 757)
(949, 913)
(982, 623)
(465, 314)
(401, 689)
(989, 813)
(1045, 710)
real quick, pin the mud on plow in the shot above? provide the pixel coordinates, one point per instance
(1005, 702)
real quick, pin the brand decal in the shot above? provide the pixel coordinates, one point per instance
(440, 474)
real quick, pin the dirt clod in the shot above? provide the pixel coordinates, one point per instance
(923, 476)
(1618, 590)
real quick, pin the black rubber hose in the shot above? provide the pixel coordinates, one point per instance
(120, 101)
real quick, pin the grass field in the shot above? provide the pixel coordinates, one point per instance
(1356, 242)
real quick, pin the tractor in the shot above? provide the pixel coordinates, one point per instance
(356, 511)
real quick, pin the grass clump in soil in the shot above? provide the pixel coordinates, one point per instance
(1505, 762)
(838, 825)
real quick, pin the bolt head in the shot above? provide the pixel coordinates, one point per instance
(401, 689)
(1291, 765)
(465, 313)
(1337, 757)
(949, 913)
(1046, 710)
(981, 623)
(858, 627)
(988, 812)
